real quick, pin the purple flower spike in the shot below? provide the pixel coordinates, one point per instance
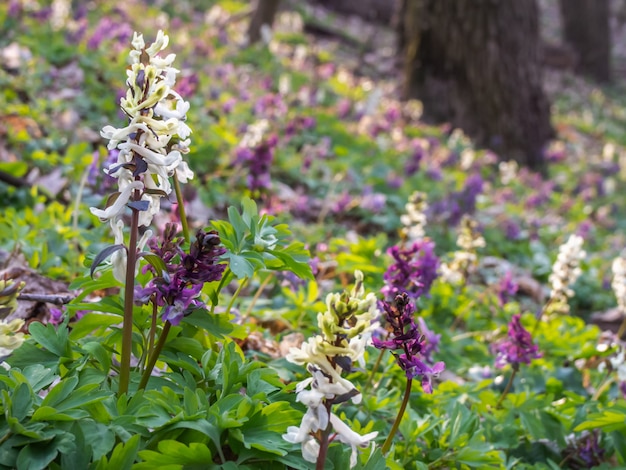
(414, 270)
(406, 337)
(431, 343)
(518, 348)
(507, 288)
(178, 287)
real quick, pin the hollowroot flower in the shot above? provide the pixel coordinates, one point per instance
(619, 283)
(10, 336)
(517, 348)
(565, 271)
(256, 153)
(153, 142)
(406, 338)
(413, 271)
(346, 327)
(464, 261)
(414, 220)
(178, 287)
(9, 290)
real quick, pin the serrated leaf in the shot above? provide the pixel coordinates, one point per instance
(104, 254)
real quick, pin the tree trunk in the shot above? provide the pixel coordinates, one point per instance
(264, 14)
(586, 29)
(475, 64)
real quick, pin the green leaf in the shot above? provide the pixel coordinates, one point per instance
(239, 265)
(173, 454)
(47, 413)
(302, 269)
(91, 322)
(249, 210)
(123, 455)
(98, 436)
(54, 340)
(38, 376)
(157, 263)
(104, 254)
(478, 457)
(217, 324)
(17, 169)
(37, 456)
(239, 226)
(264, 429)
(260, 383)
(21, 401)
(606, 420)
(60, 391)
(100, 354)
(29, 354)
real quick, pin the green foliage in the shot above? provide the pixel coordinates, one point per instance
(254, 242)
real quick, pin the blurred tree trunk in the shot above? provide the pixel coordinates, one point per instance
(475, 64)
(264, 13)
(586, 29)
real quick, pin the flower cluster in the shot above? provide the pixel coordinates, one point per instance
(506, 288)
(413, 271)
(346, 327)
(619, 282)
(151, 145)
(585, 451)
(517, 348)
(178, 286)
(406, 337)
(565, 271)
(256, 152)
(10, 336)
(508, 171)
(9, 290)
(464, 260)
(414, 220)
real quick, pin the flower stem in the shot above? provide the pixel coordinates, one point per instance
(258, 293)
(604, 384)
(324, 442)
(129, 297)
(220, 286)
(396, 423)
(153, 325)
(155, 355)
(181, 209)
(243, 282)
(507, 389)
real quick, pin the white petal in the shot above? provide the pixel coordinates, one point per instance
(153, 157)
(116, 208)
(310, 450)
